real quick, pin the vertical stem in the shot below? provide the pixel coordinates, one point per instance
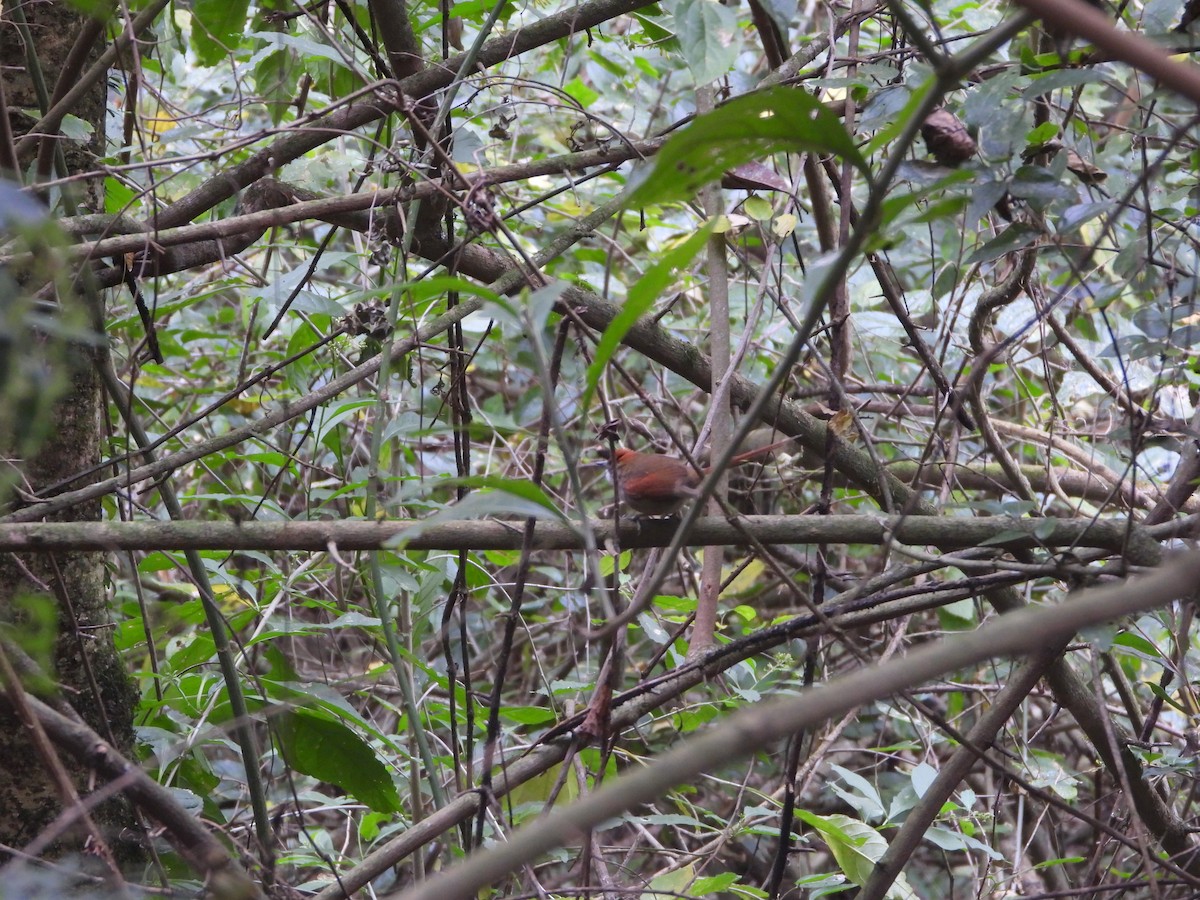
(399, 656)
(720, 418)
(243, 725)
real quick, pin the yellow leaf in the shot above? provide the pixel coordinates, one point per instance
(671, 884)
(158, 124)
(537, 789)
(228, 597)
(244, 407)
(745, 581)
(842, 423)
(757, 208)
(784, 225)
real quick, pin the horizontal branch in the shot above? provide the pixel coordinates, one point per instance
(1116, 535)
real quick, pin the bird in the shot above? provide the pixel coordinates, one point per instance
(653, 484)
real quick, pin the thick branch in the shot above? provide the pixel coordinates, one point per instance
(404, 53)
(946, 533)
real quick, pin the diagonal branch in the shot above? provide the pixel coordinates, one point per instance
(757, 726)
(224, 877)
(1080, 18)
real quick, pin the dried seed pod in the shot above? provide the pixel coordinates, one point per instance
(368, 320)
(946, 138)
(1087, 172)
(754, 176)
(479, 210)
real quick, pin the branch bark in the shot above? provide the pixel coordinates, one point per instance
(946, 533)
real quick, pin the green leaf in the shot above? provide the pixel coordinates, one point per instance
(1046, 529)
(510, 497)
(945, 839)
(654, 31)
(294, 627)
(475, 10)
(118, 198)
(641, 296)
(674, 819)
(1015, 237)
(324, 748)
(1139, 645)
(777, 120)
(302, 46)
(922, 778)
(1047, 131)
(612, 66)
(1035, 183)
(1158, 691)
(217, 28)
(581, 92)
(97, 9)
(758, 208)
(1047, 770)
(899, 122)
(607, 561)
(908, 203)
(707, 33)
(1053, 81)
(856, 846)
(334, 415)
(1075, 216)
(275, 80)
(527, 715)
(671, 884)
(945, 208)
(540, 788)
(75, 128)
(713, 884)
(1060, 861)
(517, 487)
(199, 650)
(862, 794)
(670, 604)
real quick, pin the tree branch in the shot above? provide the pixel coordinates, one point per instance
(944, 532)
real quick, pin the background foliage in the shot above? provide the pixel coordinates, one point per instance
(996, 320)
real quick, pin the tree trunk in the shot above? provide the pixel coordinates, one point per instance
(66, 591)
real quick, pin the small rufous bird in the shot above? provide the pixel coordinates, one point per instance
(657, 485)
